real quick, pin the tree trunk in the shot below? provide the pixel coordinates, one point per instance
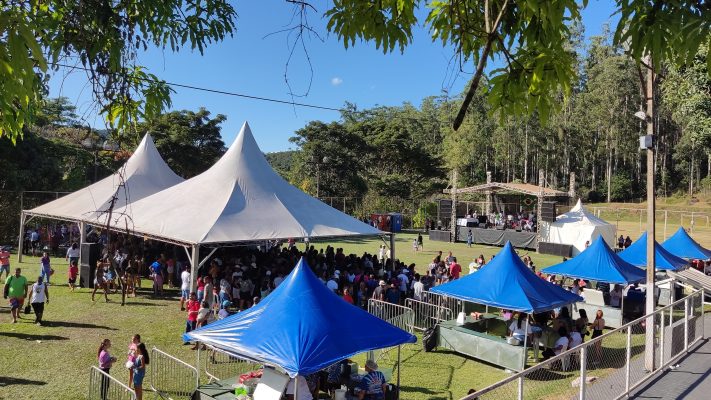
(525, 155)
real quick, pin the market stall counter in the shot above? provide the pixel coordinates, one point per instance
(482, 339)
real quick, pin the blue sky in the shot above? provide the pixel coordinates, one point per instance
(253, 64)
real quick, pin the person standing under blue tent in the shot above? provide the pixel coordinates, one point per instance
(373, 385)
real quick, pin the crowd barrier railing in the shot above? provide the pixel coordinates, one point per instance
(103, 386)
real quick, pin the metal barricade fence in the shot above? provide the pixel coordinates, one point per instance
(103, 386)
(400, 316)
(612, 365)
(426, 315)
(454, 305)
(172, 378)
(219, 365)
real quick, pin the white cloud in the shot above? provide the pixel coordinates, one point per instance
(335, 81)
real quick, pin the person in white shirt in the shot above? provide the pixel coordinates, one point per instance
(73, 253)
(560, 345)
(40, 295)
(616, 296)
(184, 287)
(303, 392)
(278, 280)
(418, 288)
(576, 339)
(519, 329)
(381, 254)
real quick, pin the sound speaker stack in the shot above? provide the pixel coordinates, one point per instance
(548, 211)
(90, 253)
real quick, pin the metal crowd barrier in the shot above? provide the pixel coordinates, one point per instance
(172, 378)
(219, 365)
(427, 315)
(612, 365)
(402, 317)
(103, 386)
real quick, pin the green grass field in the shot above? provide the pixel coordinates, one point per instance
(52, 361)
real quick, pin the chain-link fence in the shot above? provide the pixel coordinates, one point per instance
(612, 365)
(172, 378)
(103, 386)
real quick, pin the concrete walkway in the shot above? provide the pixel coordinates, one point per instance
(690, 381)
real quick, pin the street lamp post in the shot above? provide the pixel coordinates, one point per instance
(92, 145)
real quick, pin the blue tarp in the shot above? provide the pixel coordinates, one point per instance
(507, 283)
(636, 254)
(301, 327)
(598, 263)
(682, 245)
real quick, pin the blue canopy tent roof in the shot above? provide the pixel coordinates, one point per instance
(507, 283)
(301, 327)
(598, 263)
(636, 254)
(682, 245)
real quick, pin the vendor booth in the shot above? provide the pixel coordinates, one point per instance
(301, 328)
(504, 283)
(578, 227)
(636, 255)
(682, 245)
(599, 263)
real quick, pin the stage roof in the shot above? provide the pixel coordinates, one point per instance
(523, 188)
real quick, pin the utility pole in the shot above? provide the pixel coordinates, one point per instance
(651, 262)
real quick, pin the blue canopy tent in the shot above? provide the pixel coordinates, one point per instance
(682, 245)
(507, 283)
(598, 263)
(302, 327)
(636, 254)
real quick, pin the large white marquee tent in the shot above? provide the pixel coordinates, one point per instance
(240, 199)
(578, 226)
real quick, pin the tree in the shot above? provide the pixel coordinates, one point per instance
(529, 35)
(687, 95)
(105, 38)
(190, 142)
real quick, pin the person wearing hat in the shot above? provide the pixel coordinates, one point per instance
(379, 292)
(373, 384)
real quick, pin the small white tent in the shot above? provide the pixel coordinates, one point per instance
(143, 174)
(578, 226)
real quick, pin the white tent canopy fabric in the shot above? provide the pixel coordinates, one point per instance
(143, 174)
(239, 199)
(578, 226)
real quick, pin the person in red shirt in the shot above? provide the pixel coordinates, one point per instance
(455, 269)
(4, 262)
(193, 307)
(73, 272)
(347, 295)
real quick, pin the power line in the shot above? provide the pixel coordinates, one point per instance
(234, 94)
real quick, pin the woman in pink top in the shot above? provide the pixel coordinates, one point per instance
(105, 362)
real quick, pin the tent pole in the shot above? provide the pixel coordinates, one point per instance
(622, 308)
(525, 343)
(195, 260)
(296, 386)
(392, 251)
(21, 236)
(398, 372)
(82, 237)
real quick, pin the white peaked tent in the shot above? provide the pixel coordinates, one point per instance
(578, 226)
(143, 174)
(240, 199)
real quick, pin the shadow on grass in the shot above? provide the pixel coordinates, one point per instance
(8, 381)
(144, 303)
(413, 389)
(29, 336)
(80, 325)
